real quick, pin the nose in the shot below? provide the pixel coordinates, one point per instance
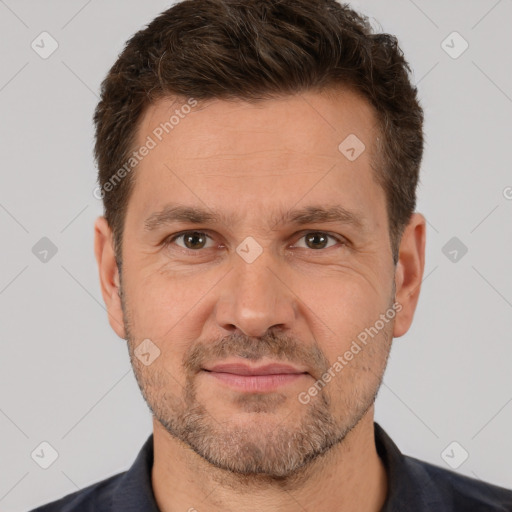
(255, 297)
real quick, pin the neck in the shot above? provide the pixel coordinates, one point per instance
(350, 477)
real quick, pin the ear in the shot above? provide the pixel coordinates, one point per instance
(409, 272)
(109, 274)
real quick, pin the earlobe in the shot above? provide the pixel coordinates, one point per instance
(409, 272)
(108, 274)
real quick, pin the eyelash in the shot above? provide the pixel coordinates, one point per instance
(169, 240)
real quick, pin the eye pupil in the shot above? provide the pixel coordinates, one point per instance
(189, 238)
(314, 236)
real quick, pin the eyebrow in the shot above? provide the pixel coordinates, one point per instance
(306, 215)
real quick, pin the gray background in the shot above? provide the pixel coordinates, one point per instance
(65, 377)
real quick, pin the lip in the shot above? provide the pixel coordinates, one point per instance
(258, 379)
(244, 369)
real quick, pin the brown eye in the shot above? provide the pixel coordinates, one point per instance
(318, 240)
(192, 240)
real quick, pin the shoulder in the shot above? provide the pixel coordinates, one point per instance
(128, 490)
(414, 484)
(96, 497)
(461, 492)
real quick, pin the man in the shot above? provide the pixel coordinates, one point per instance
(285, 139)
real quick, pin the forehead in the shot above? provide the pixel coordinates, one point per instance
(310, 123)
(275, 151)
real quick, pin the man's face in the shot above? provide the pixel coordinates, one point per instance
(257, 287)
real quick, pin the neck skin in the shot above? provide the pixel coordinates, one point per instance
(350, 477)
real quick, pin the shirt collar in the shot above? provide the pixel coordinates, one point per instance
(409, 485)
(134, 491)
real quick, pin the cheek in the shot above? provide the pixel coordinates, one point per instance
(165, 310)
(357, 366)
(343, 305)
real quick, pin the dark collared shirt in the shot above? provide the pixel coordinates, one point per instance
(413, 486)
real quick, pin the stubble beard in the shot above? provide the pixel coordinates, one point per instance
(259, 450)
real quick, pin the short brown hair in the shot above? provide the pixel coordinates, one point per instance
(255, 50)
